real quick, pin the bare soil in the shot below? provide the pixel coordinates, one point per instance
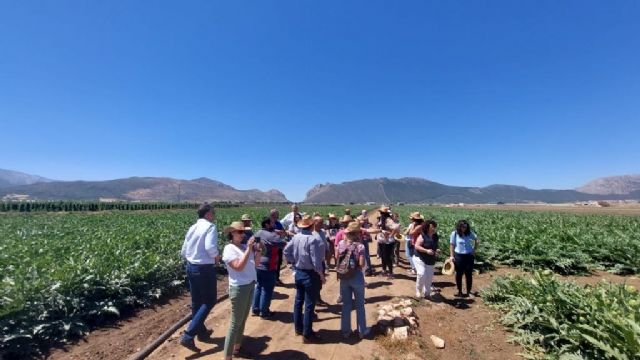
(614, 209)
(469, 328)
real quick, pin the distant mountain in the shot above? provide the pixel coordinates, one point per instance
(13, 178)
(417, 190)
(620, 185)
(143, 189)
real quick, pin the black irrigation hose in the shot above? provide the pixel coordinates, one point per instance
(165, 335)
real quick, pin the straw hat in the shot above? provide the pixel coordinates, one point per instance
(332, 216)
(236, 225)
(245, 217)
(306, 222)
(416, 216)
(448, 268)
(353, 227)
(346, 219)
(360, 218)
(384, 209)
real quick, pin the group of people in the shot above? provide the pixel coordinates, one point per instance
(310, 245)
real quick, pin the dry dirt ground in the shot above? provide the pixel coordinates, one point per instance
(469, 328)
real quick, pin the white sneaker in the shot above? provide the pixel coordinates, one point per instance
(418, 294)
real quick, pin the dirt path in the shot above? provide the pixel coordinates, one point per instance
(470, 328)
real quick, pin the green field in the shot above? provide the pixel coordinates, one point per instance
(63, 273)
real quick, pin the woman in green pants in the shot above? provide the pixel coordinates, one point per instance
(241, 264)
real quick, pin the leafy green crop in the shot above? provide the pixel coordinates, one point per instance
(62, 274)
(559, 320)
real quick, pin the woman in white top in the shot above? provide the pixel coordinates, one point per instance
(241, 264)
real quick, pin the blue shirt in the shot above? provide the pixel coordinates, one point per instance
(463, 244)
(305, 251)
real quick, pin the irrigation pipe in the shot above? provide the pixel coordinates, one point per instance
(165, 335)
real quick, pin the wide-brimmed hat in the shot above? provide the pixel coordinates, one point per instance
(245, 217)
(306, 222)
(347, 211)
(234, 226)
(353, 227)
(332, 216)
(384, 209)
(416, 216)
(346, 219)
(448, 268)
(361, 218)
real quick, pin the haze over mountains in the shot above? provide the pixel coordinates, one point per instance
(417, 190)
(142, 189)
(380, 190)
(13, 178)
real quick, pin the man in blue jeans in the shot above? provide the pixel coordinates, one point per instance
(200, 250)
(306, 252)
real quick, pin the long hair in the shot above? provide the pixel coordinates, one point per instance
(463, 228)
(427, 225)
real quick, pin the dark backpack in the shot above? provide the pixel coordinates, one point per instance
(347, 263)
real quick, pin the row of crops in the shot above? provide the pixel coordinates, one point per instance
(67, 206)
(561, 320)
(63, 273)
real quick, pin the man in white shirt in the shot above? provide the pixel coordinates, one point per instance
(288, 219)
(200, 250)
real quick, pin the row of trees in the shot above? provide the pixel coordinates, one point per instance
(54, 206)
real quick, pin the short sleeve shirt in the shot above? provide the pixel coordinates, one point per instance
(358, 251)
(248, 274)
(463, 244)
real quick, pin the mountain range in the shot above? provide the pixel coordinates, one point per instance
(13, 178)
(15, 184)
(142, 189)
(421, 191)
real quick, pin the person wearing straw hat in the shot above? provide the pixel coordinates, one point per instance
(306, 252)
(462, 246)
(200, 250)
(241, 265)
(352, 285)
(426, 252)
(413, 231)
(386, 240)
(248, 231)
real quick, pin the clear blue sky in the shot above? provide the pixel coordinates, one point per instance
(288, 94)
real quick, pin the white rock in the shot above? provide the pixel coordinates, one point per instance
(412, 321)
(387, 308)
(400, 333)
(439, 343)
(407, 311)
(382, 312)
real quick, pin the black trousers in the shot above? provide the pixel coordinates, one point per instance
(386, 255)
(464, 266)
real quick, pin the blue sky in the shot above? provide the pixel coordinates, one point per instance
(288, 94)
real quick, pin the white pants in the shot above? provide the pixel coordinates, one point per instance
(424, 277)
